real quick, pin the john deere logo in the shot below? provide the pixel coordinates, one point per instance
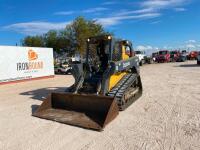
(32, 64)
(32, 55)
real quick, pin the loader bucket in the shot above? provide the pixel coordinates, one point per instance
(87, 111)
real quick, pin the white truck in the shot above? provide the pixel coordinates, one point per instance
(62, 69)
(141, 55)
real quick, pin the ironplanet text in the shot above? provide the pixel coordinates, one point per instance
(29, 66)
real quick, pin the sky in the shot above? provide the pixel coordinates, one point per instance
(149, 24)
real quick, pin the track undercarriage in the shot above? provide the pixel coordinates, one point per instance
(127, 90)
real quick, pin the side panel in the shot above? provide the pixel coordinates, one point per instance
(131, 63)
(109, 76)
(114, 79)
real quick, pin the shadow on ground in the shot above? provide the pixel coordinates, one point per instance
(188, 65)
(41, 94)
(34, 108)
(63, 74)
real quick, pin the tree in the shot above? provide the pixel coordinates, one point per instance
(80, 30)
(33, 41)
(72, 39)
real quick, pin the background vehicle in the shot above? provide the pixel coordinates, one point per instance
(154, 56)
(108, 81)
(141, 55)
(163, 56)
(148, 60)
(198, 58)
(174, 55)
(183, 56)
(193, 55)
(62, 69)
(185, 53)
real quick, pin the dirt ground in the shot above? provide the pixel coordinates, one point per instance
(166, 117)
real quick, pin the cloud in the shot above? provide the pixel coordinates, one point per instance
(166, 47)
(150, 6)
(161, 4)
(148, 49)
(109, 3)
(191, 41)
(139, 11)
(146, 7)
(97, 9)
(142, 47)
(33, 28)
(190, 46)
(180, 9)
(107, 21)
(64, 13)
(156, 22)
(117, 19)
(90, 10)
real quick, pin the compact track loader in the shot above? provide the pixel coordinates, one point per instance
(107, 81)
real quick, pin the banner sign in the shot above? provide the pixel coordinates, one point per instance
(23, 63)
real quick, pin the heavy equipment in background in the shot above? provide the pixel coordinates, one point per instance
(108, 81)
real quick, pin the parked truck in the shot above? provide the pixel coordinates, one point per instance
(183, 56)
(141, 55)
(154, 56)
(163, 56)
(193, 55)
(174, 55)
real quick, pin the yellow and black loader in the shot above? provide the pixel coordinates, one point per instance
(108, 80)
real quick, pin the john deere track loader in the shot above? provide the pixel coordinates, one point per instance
(106, 82)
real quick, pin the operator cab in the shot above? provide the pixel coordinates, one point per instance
(102, 50)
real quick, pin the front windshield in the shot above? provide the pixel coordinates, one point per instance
(173, 52)
(154, 54)
(184, 51)
(162, 52)
(138, 52)
(97, 48)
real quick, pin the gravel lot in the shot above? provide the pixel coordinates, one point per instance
(166, 117)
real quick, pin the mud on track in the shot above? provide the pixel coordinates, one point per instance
(166, 117)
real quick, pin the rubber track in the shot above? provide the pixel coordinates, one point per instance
(122, 88)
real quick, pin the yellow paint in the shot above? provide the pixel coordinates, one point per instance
(124, 55)
(114, 79)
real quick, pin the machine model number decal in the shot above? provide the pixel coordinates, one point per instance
(117, 68)
(126, 64)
